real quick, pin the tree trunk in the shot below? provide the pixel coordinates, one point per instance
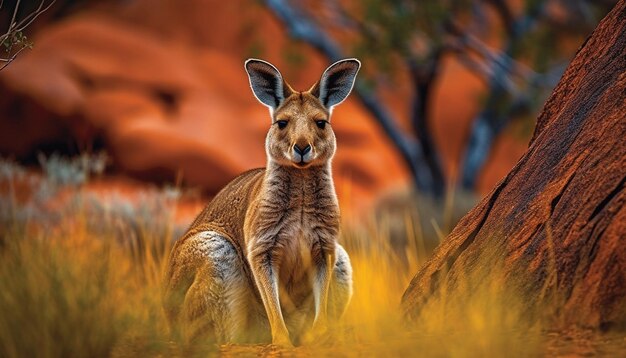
(558, 219)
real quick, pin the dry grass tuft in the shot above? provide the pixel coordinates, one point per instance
(87, 283)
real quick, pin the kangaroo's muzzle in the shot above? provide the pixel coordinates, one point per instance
(302, 154)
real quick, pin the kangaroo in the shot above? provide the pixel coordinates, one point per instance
(261, 262)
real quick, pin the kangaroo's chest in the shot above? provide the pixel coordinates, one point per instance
(307, 226)
(296, 223)
(307, 230)
(299, 250)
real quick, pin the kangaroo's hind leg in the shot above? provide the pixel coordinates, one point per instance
(219, 299)
(340, 291)
(339, 295)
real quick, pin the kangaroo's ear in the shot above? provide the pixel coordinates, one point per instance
(266, 82)
(337, 82)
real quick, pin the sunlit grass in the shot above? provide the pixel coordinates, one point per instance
(75, 290)
(88, 284)
(69, 292)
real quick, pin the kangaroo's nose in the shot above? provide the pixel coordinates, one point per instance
(302, 150)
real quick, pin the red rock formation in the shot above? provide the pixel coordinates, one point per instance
(163, 108)
(558, 219)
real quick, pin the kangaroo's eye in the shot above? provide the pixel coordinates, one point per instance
(321, 124)
(282, 124)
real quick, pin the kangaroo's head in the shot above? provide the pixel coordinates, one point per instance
(301, 134)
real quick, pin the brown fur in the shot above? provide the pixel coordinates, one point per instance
(263, 253)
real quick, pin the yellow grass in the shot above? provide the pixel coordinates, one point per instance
(88, 284)
(76, 288)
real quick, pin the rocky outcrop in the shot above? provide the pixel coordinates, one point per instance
(164, 109)
(557, 222)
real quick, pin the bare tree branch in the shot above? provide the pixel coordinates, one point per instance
(489, 123)
(465, 40)
(12, 23)
(423, 77)
(7, 61)
(13, 37)
(34, 15)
